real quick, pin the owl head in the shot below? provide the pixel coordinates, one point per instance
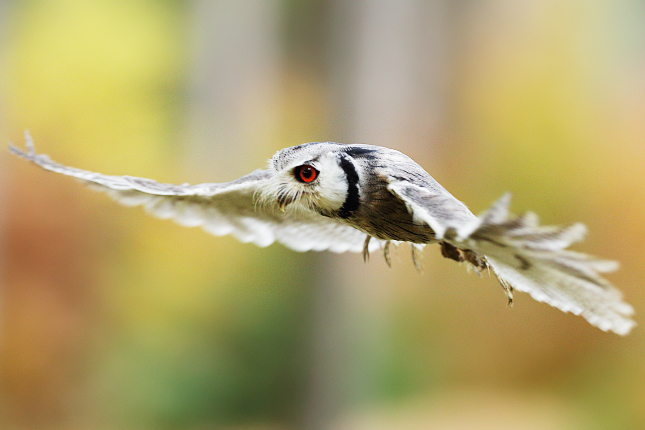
(318, 176)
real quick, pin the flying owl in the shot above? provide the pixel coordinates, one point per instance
(362, 198)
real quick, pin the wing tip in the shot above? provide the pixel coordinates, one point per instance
(29, 144)
(17, 151)
(608, 312)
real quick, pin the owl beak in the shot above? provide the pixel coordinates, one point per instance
(283, 201)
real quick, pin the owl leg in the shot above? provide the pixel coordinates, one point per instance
(452, 252)
(478, 262)
(416, 257)
(366, 248)
(386, 253)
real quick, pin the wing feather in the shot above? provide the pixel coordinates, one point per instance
(434, 206)
(524, 255)
(534, 259)
(219, 208)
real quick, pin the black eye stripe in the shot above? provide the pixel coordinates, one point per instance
(352, 200)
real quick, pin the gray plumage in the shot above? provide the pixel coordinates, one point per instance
(359, 198)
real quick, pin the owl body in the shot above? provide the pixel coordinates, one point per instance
(360, 198)
(362, 174)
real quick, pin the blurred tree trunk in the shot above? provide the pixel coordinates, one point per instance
(387, 89)
(233, 84)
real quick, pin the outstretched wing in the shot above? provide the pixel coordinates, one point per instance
(524, 255)
(534, 259)
(220, 209)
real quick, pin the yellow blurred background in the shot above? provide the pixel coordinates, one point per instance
(113, 319)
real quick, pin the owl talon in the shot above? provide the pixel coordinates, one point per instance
(386, 253)
(510, 300)
(508, 289)
(366, 248)
(416, 257)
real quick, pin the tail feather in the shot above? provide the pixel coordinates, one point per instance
(533, 259)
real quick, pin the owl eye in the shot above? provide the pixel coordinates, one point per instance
(306, 173)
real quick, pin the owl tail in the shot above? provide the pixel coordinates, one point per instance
(532, 258)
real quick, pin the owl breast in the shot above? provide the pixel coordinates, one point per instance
(383, 216)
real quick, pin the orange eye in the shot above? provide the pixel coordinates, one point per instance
(306, 173)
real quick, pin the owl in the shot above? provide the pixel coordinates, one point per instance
(363, 198)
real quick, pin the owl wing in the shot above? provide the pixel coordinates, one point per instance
(524, 255)
(220, 209)
(534, 258)
(432, 204)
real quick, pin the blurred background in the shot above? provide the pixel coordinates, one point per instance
(112, 319)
